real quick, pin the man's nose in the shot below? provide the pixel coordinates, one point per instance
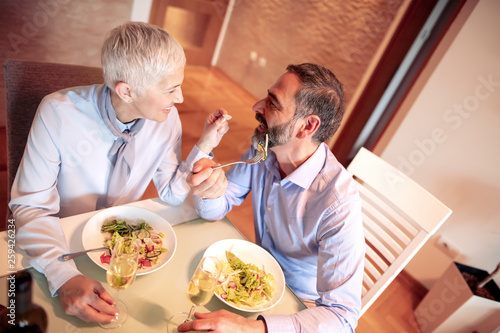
(259, 107)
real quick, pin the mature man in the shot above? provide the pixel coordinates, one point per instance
(131, 133)
(306, 207)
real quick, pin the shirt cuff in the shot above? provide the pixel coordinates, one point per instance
(195, 155)
(209, 209)
(278, 323)
(58, 273)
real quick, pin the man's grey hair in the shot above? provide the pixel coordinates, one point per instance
(321, 94)
(139, 54)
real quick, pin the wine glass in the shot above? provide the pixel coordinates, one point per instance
(121, 273)
(199, 291)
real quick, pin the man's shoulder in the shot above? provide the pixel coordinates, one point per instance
(335, 178)
(333, 171)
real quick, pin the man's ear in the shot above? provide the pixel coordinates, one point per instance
(123, 90)
(309, 126)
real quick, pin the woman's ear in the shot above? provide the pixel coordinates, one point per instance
(123, 90)
(309, 126)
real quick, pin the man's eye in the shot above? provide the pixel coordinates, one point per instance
(271, 103)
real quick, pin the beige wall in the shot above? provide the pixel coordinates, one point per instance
(64, 31)
(449, 142)
(341, 35)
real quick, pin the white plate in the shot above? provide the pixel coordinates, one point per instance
(92, 236)
(250, 253)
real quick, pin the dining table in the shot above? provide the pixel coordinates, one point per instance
(153, 297)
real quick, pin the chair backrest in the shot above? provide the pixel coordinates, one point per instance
(399, 216)
(26, 84)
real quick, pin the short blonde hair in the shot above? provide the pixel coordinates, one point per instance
(139, 54)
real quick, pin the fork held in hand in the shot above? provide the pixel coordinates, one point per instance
(256, 159)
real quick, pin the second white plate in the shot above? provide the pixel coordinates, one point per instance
(251, 253)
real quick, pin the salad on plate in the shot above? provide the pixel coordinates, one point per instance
(151, 241)
(244, 284)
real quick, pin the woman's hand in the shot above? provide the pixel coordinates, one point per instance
(215, 127)
(87, 299)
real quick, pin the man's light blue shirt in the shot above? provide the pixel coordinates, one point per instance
(310, 222)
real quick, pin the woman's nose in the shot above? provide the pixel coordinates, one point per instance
(178, 96)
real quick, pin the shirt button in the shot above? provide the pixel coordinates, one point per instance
(267, 230)
(269, 208)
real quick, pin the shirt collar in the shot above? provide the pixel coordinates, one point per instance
(305, 174)
(126, 126)
(107, 96)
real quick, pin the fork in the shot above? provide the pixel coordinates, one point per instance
(256, 159)
(69, 256)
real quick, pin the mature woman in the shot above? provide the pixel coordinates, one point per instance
(97, 146)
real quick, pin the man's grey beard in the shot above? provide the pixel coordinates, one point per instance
(278, 135)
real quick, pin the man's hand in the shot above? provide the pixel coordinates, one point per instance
(87, 299)
(223, 321)
(206, 182)
(214, 129)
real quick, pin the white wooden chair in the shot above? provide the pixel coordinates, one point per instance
(399, 216)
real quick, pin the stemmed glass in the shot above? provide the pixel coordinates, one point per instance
(200, 289)
(121, 273)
